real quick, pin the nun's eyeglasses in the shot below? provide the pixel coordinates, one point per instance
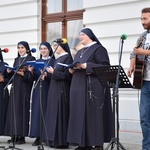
(55, 45)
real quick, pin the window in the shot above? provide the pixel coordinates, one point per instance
(62, 19)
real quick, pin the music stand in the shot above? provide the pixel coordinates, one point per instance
(107, 77)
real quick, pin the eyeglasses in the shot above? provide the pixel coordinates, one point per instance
(55, 45)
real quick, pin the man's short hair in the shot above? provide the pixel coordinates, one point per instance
(146, 10)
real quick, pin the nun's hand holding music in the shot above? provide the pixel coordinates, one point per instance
(71, 70)
(80, 66)
(50, 69)
(9, 70)
(44, 74)
(83, 66)
(1, 78)
(20, 72)
(30, 68)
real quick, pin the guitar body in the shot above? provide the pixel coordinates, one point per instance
(138, 71)
(139, 68)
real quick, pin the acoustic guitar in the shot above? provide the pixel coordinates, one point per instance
(139, 68)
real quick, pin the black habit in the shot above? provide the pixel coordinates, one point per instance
(58, 103)
(17, 121)
(38, 106)
(4, 97)
(90, 118)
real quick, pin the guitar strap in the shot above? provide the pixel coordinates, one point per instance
(143, 36)
(144, 44)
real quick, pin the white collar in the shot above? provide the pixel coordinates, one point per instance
(88, 45)
(65, 53)
(45, 58)
(25, 55)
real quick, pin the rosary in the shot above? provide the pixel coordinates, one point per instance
(83, 51)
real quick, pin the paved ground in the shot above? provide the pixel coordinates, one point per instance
(129, 140)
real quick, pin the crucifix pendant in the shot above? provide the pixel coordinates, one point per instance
(80, 56)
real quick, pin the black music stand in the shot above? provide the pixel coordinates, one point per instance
(107, 75)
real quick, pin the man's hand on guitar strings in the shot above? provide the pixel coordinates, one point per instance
(139, 51)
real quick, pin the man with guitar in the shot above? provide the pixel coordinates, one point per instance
(136, 59)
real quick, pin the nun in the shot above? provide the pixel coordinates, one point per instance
(4, 94)
(57, 112)
(90, 118)
(39, 94)
(17, 120)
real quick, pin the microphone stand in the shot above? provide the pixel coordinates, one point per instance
(12, 143)
(116, 101)
(117, 98)
(41, 147)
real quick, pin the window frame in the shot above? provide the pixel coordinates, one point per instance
(63, 17)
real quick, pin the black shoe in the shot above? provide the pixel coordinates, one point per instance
(21, 140)
(78, 148)
(9, 141)
(62, 147)
(36, 142)
(84, 148)
(14, 139)
(98, 148)
(51, 146)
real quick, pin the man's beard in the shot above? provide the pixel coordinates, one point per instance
(146, 26)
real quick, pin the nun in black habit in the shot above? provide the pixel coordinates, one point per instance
(4, 94)
(17, 121)
(46, 56)
(58, 99)
(90, 118)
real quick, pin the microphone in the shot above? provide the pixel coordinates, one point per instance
(5, 50)
(33, 50)
(62, 41)
(123, 36)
